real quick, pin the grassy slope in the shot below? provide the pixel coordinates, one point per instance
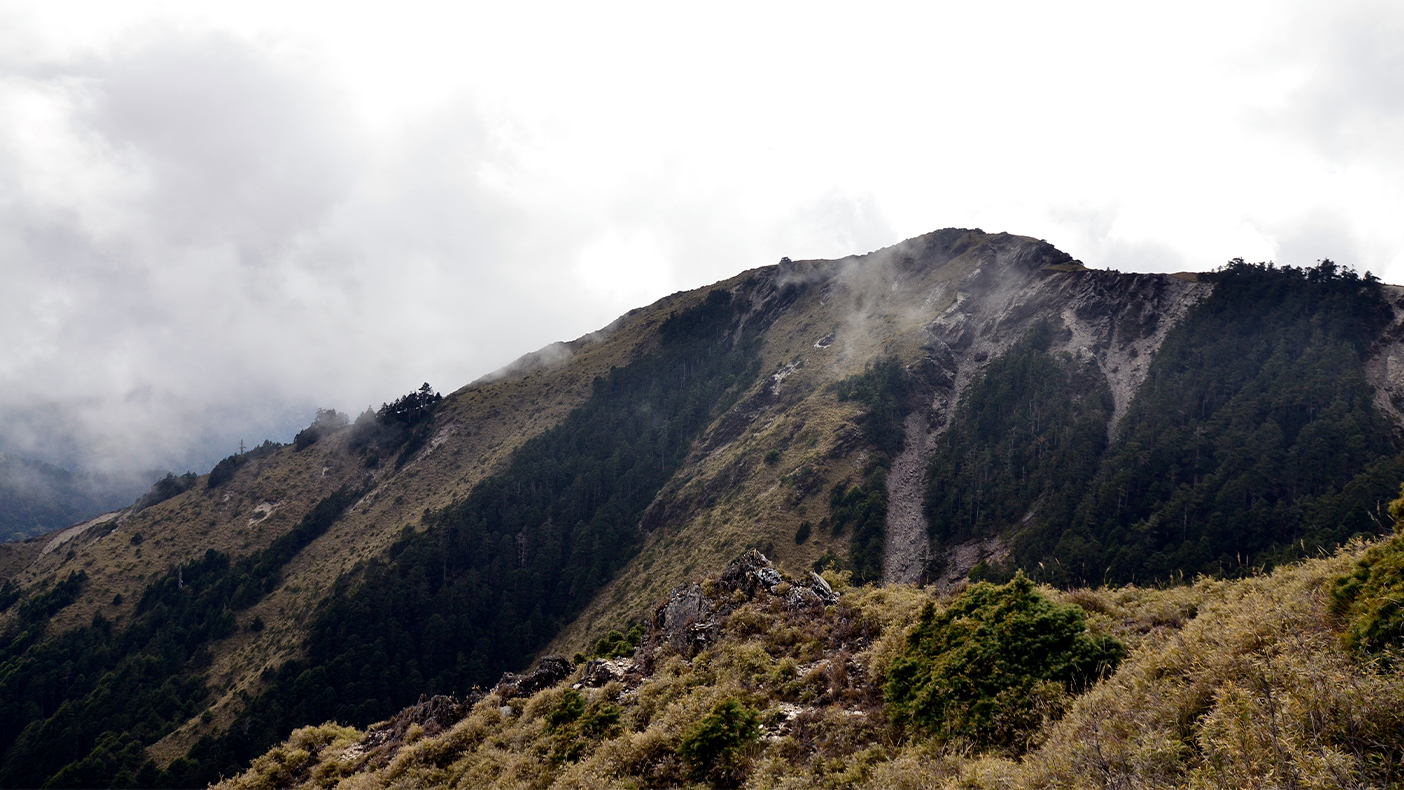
(1229, 684)
(763, 505)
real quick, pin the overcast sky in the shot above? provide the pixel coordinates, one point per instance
(216, 217)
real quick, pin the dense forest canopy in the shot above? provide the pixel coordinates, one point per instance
(1253, 440)
(78, 710)
(1025, 439)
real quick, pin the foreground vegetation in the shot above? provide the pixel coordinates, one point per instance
(1244, 683)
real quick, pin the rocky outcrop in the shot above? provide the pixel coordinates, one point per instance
(684, 622)
(549, 671)
(432, 715)
(749, 574)
(692, 616)
(598, 672)
(816, 593)
(1385, 367)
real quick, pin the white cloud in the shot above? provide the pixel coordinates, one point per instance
(216, 216)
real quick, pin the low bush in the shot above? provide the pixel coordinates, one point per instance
(713, 747)
(1371, 597)
(224, 471)
(802, 534)
(616, 644)
(165, 488)
(995, 665)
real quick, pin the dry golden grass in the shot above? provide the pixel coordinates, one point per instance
(1255, 691)
(1228, 684)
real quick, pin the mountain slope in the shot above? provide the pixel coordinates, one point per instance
(805, 408)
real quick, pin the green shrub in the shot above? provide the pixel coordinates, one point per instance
(567, 709)
(617, 645)
(713, 746)
(328, 422)
(224, 471)
(600, 719)
(994, 665)
(575, 725)
(9, 593)
(802, 534)
(1370, 597)
(829, 561)
(164, 489)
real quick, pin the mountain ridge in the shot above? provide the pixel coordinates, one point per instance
(790, 454)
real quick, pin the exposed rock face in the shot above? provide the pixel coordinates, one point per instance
(433, 714)
(907, 547)
(749, 573)
(684, 622)
(600, 671)
(816, 593)
(549, 671)
(691, 619)
(1116, 321)
(1385, 368)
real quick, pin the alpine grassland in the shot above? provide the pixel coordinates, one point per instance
(1252, 682)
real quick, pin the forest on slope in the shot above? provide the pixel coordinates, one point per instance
(1255, 440)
